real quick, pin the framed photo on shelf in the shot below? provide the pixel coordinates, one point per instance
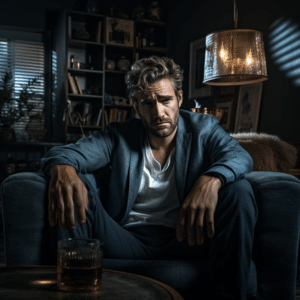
(248, 108)
(227, 119)
(119, 32)
(227, 90)
(197, 89)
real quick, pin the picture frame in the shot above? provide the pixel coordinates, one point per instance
(119, 32)
(197, 89)
(227, 90)
(227, 119)
(248, 108)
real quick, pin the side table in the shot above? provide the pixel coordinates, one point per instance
(40, 282)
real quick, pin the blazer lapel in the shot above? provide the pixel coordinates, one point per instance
(183, 149)
(135, 169)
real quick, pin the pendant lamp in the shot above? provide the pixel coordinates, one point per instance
(234, 56)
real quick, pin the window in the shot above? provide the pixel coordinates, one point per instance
(25, 55)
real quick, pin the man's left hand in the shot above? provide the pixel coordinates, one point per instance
(202, 199)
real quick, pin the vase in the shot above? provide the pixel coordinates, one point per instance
(138, 12)
(154, 11)
(92, 7)
(123, 64)
(110, 64)
(7, 134)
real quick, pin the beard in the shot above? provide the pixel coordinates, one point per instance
(160, 132)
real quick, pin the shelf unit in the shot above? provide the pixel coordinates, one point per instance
(98, 83)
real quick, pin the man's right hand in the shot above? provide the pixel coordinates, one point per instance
(66, 190)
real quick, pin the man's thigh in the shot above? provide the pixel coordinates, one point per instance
(233, 198)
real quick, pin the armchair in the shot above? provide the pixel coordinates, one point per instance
(275, 252)
(273, 270)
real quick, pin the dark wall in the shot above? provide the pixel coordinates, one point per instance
(280, 104)
(30, 13)
(189, 20)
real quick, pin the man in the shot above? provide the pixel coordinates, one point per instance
(177, 186)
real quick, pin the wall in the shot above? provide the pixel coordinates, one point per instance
(30, 13)
(190, 20)
(280, 104)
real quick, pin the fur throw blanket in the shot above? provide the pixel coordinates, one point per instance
(269, 153)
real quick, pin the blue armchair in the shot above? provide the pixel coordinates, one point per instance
(275, 252)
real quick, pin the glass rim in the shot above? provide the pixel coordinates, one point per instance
(84, 241)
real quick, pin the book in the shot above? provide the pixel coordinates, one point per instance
(124, 115)
(115, 114)
(111, 115)
(105, 118)
(98, 118)
(85, 112)
(98, 32)
(120, 115)
(89, 119)
(72, 84)
(77, 85)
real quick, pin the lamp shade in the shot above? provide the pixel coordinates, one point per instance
(234, 57)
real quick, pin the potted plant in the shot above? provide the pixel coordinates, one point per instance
(13, 108)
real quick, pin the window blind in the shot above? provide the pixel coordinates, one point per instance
(24, 55)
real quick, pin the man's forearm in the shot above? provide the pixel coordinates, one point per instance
(216, 182)
(61, 168)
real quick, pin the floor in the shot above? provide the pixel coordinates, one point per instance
(2, 257)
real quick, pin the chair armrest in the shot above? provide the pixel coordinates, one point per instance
(25, 219)
(276, 237)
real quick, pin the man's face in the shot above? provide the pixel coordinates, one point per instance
(159, 104)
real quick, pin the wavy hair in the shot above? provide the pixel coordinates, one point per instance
(148, 70)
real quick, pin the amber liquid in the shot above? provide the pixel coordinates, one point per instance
(79, 275)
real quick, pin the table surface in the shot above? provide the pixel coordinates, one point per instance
(40, 282)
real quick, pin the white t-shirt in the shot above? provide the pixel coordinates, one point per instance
(157, 201)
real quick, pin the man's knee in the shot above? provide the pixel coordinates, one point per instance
(240, 187)
(240, 192)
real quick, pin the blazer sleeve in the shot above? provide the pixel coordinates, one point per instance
(86, 155)
(228, 158)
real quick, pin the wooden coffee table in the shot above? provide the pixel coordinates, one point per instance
(40, 282)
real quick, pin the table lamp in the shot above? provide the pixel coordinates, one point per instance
(234, 56)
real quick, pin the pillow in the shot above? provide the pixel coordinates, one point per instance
(269, 152)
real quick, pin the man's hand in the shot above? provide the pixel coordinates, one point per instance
(65, 190)
(202, 199)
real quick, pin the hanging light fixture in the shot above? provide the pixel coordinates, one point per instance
(234, 56)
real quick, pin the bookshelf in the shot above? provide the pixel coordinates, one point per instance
(90, 94)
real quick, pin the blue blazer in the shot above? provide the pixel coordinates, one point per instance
(202, 147)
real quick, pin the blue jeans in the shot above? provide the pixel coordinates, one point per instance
(228, 252)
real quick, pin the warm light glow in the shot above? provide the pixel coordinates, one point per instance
(236, 61)
(43, 282)
(223, 54)
(249, 58)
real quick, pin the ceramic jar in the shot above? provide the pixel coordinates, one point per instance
(154, 11)
(123, 64)
(110, 64)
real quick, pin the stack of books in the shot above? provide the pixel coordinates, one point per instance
(115, 115)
